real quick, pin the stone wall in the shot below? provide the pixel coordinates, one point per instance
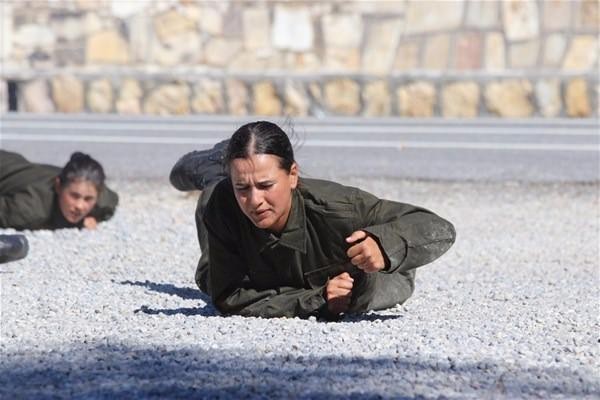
(415, 58)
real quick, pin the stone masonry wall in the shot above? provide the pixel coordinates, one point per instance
(415, 58)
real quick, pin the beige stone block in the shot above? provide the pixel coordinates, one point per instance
(382, 41)
(208, 97)
(220, 51)
(547, 95)
(582, 53)
(495, 51)
(483, 14)
(211, 20)
(139, 27)
(437, 51)
(520, 19)
(556, 14)
(420, 17)
(587, 15)
(296, 100)
(100, 96)
(30, 36)
(6, 31)
(417, 99)
(130, 94)
(292, 28)
(248, 61)
(193, 11)
(385, 7)
(460, 100)
(342, 59)
(316, 91)
(91, 5)
(168, 99)
(237, 96)
(509, 98)
(35, 97)
(576, 99)
(106, 47)
(554, 50)
(275, 60)
(377, 99)
(342, 96)
(172, 23)
(407, 57)
(304, 62)
(93, 23)
(266, 100)
(127, 9)
(67, 92)
(183, 49)
(342, 31)
(524, 54)
(469, 49)
(68, 28)
(257, 28)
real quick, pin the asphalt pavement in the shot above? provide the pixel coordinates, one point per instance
(532, 150)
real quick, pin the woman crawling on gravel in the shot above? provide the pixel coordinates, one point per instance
(38, 196)
(277, 245)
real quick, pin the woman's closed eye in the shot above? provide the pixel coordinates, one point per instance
(264, 185)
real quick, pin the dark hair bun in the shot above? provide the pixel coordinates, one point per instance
(79, 156)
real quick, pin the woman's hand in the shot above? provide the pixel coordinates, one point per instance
(90, 223)
(338, 293)
(365, 253)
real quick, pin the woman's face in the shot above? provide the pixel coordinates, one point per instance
(76, 199)
(263, 189)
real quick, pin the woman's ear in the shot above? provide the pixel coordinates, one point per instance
(293, 176)
(57, 186)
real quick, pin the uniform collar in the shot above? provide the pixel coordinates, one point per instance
(294, 233)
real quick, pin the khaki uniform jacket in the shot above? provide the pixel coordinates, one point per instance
(28, 199)
(254, 273)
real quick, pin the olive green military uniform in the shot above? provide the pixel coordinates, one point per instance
(250, 272)
(28, 199)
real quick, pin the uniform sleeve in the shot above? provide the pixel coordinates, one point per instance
(410, 236)
(232, 291)
(22, 210)
(106, 205)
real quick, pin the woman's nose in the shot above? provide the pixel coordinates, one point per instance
(255, 197)
(80, 205)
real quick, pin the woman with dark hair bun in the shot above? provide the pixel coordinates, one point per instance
(277, 245)
(37, 196)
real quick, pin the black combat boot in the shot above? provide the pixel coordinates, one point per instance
(198, 169)
(13, 247)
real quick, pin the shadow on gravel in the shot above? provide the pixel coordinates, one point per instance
(119, 371)
(167, 288)
(185, 293)
(206, 311)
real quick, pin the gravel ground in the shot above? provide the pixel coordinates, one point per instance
(511, 311)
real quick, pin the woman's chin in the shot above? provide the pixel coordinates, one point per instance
(73, 219)
(263, 224)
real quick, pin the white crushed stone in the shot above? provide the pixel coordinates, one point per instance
(511, 311)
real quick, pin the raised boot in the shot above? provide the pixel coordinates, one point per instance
(13, 247)
(198, 169)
